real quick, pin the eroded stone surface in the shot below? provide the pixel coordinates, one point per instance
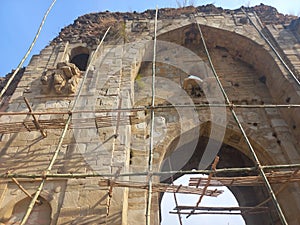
(63, 79)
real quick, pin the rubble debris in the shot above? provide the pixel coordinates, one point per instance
(90, 28)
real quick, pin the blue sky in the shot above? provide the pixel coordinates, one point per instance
(19, 19)
(225, 199)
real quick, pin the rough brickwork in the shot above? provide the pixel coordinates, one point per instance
(108, 141)
(91, 27)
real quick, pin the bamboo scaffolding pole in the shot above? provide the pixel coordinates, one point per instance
(161, 187)
(111, 184)
(29, 50)
(118, 117)
(213, 167)
(73, 112)
(274, 178)
(23, 189)
(36, 122)
(151, 187)
(135, 109)
(282, 188)
(252, 151)
(221, 210)
(151, 144)
(40, 187)
(217, 171)
(231, 105)
(174, 193)
(102, 121)
(272, 47)
(213, 213)
(57, 150)
(157, 187)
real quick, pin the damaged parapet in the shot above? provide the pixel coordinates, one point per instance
(62, 80)
(295, 27)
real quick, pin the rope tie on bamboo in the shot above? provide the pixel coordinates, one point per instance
(149, 175)
(111, 183)
(44, 174)
(7, 173)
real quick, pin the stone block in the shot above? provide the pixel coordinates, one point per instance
(71, 199)
(278, 123)
(92, 198)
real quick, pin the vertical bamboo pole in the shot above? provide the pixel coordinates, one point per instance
(252, 151)
(150, 157)
(29, 50)
(57, 150)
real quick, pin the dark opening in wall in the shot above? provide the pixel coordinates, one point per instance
(80, 61)
(80, 57)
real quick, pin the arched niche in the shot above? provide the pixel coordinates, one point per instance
(245, 48)
(80, 57)
(264, 77)
(41, 213)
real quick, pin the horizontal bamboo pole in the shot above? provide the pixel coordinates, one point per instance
(274, 177)
(161, 187)
(288, 106)
(219, 208)
(226, 105)
(90, 175)
(217, 213)
(207, 213)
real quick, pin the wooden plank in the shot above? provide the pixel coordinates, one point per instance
(274, 178)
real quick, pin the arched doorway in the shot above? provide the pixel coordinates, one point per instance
(41, 213)
(244, 79)
(230, 157)
(227, 199)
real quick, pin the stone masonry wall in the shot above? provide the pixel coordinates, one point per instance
(109, 141)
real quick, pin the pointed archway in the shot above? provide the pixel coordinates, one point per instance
(230, 157)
